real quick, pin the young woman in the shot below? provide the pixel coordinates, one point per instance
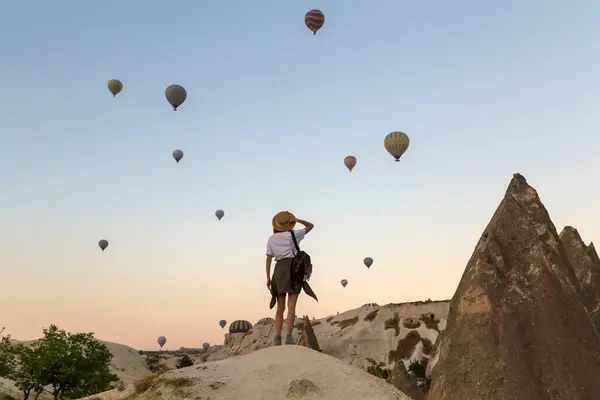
(281, 247)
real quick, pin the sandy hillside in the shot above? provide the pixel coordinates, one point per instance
(356, 336)
(127, 364)
(274, 373)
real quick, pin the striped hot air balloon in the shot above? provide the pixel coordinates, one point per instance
(314, 20)
(396, 144)
(240, 326)
(370, 305)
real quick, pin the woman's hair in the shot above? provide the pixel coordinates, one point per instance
(276, 231)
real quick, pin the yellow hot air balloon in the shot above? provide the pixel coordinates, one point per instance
(396, 144)
(115, 86)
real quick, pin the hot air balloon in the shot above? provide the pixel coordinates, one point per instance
(175, 95)
(344, 282)
(220, 214)
(368, 261)
(396, 144)
(205, 346)
(370, 305)
(314, 20)
(240, 326)
(222, 323)
(177, 155)
(350, 162)
(103, 244)
(115, 86)
(161, 341)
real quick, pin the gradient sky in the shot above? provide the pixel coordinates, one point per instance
(483, 88)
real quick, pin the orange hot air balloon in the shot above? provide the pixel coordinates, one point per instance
(350, 162)
(314, 20)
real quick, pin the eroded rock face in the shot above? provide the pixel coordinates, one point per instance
(586, 264)
(300, 388)
(517, 327)
(594, 286)
(404, 381)
(307, 335)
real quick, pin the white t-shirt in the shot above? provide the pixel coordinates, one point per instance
(281, 245)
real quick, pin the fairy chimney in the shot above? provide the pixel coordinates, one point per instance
(517, 327)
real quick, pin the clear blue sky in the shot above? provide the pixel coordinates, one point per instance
(483, 88)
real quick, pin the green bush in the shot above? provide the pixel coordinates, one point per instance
(418, 368)
(185, 361)
(74, 364)
(378, 370)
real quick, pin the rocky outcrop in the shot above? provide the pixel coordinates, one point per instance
(517, 327)
(586, 265)
(359, 336)
(594, 286)
(282, 372)
(307, 336)
(407, 383)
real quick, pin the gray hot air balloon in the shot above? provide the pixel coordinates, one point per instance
(205, 346)
(222, 323)
(103, 244)
(219, 214)
(344, 282)
(177, 155)
(161, 341)
(368, 262)
(175, 95)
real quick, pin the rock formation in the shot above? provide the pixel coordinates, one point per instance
(307, 336)
(595, 286)
(407, 383)
(517, 327)
(586, 265)
(358, 336)
(275, 373)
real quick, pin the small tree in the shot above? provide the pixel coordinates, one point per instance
(418, 369)
(185, 361)
(26, 371)
(7, 358)
(74, 364)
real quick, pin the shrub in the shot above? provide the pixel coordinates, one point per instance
(144, 384)
(418, 368)
(185, 361)
(378, 370)
(74, 364)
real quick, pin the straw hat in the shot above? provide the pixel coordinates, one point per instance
(284, 221)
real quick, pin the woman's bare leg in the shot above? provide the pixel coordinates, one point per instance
(279, 314)
(291, 315)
